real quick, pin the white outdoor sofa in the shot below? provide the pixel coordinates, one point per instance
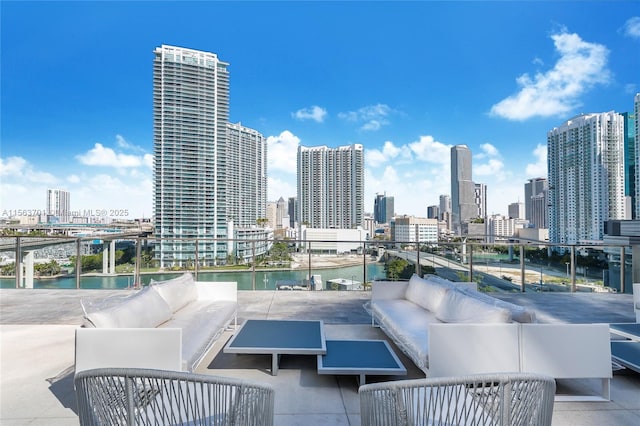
(450, 329)
(169, 325)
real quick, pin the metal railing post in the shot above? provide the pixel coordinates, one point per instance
(470, 262)
(309, 269)
(623, 267)
(573, 269)
(136, 278)
(418, 268)
(197, 261)
(364, 265)
(522, 274)
(78, 262)
(253, 265)
(18, 262)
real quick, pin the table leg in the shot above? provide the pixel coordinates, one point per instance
(362, 379)
(275, 359)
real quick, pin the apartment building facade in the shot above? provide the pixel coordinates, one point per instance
(190, 116)
(586, 177)
(330, 186)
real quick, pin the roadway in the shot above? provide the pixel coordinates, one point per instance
(449, 269)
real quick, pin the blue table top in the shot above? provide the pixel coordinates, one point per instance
(368, 354)
(627, 353)
(630, 329)
(279, 334)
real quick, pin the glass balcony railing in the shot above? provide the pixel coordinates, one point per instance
(257, 264)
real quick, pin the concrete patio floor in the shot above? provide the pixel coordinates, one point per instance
(37, 344)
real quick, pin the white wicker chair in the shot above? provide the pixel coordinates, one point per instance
(490, 399)
(158, 397)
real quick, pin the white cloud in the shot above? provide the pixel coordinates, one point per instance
(489, 150)
(493, 167)
(373, 117)
(314, 113)
(631, 28)
(376, 157)
(581, 66)
(122, 143)
(429, 150)
(630, 88)
(539, 168)
(100, 155)
(282, 152)
(20, 170)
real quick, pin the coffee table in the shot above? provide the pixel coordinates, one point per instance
(629, 330)
(278, 337)
(626, 352)
(360, 357)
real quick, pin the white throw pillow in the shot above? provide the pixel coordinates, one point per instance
(458, 307)
(177, 292)
(145, 309)
(425, 293)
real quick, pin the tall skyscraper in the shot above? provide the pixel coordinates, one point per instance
(281, 213)
(535, 202)
(433, 212)
(190, 116)
(59, 204)
(292, 211)
(383, 208)
(445, 204)
(246, 171)
(516, 210)
(463, 205)
(331, 186)
(586, 177)
(480, 199)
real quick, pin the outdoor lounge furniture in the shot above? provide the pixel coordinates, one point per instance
(496, 399)
(449, 331)
(405, 309)
(167, 325)
(160, 397)
(278, 337)
(626, 351)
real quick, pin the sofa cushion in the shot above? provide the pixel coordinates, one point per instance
(201, 322)
(177, 292)
(145, 309)
(459, 307)
(408, 325)
(426, 293)
(518, 313)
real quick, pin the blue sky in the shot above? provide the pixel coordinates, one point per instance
(406, 79)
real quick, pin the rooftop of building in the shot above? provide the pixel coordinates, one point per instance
(37, 353)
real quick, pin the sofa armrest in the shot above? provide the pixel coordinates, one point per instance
(388, 289)
(157, 348)
(567, 351)
(465, 349)
(213, 290)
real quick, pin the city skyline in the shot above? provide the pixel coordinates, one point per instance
(77, 112)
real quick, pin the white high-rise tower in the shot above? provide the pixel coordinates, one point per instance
(190, 116)
(586, 177)
(331, 186)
